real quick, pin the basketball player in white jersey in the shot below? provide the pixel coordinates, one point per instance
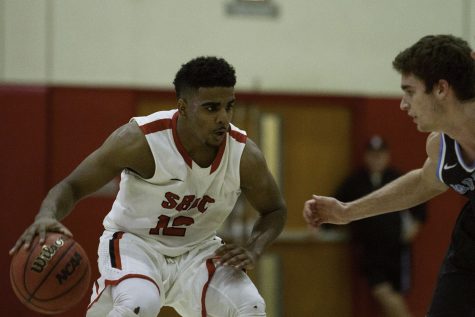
(438, 80)
(182, 172)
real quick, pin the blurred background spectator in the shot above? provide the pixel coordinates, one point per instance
(383, 243)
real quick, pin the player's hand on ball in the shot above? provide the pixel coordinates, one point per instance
(236, 256)
(53, 277)
(40, 226)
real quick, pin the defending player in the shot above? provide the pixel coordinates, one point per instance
(438, 80)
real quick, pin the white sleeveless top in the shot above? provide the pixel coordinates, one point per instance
(183, 204)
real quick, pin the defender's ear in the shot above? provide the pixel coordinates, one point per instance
(441, 89)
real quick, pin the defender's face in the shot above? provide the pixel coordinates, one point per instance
(209, 112)
(422, 107)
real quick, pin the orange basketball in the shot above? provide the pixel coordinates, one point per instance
(53, 277)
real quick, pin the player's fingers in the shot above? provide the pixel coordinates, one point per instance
(221, 250)
(318, 223)
(236, 256)
(226, 249)
(42, 234)
(230, 261)
(308, 213)
(244, 265)
(310, 221)
(316, 198)
(307, 208)
(22, 240)
(19, 243)
(311, 203)
(321, 200)
(228, 256)
(240, 261)
(28, 236)
(17, 246)
(66, 231)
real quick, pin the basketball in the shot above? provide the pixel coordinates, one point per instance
(53, 277)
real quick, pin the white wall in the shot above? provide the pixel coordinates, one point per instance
(314, 46)
(23, 41)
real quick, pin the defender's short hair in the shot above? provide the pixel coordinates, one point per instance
(436, 57)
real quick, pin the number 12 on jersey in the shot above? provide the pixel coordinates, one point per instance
(173, 230)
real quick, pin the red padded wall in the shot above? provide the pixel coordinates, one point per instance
(45, 133)
(23, 160)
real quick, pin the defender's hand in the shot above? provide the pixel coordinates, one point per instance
(321, 209)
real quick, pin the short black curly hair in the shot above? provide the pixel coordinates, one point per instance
(436, 57)
(204, 71)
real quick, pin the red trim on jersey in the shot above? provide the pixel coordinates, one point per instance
(115, 282)
(238, 136)
(211, 269)
(156, 126)
(219, 156)
(178, 143)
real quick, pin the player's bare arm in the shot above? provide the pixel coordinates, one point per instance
(262, 192)
(407, 191)
(124, 148)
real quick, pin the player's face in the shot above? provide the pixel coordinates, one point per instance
(422, 107)
(210, 112)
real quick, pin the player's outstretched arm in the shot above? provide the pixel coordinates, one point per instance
(407, 191)
(261, 190)
(124, 148)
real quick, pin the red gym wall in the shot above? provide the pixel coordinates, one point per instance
(46, 132)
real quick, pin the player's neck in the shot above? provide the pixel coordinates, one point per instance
(459, 121)
(463, 130)
(200, 152)
(204, 155)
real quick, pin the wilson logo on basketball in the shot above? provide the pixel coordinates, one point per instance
(47, 253)
(69, 269)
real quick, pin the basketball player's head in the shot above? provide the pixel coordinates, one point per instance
(203, 72)
(440, 57)
(205, 91)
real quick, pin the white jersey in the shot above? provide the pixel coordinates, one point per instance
(183, 204)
